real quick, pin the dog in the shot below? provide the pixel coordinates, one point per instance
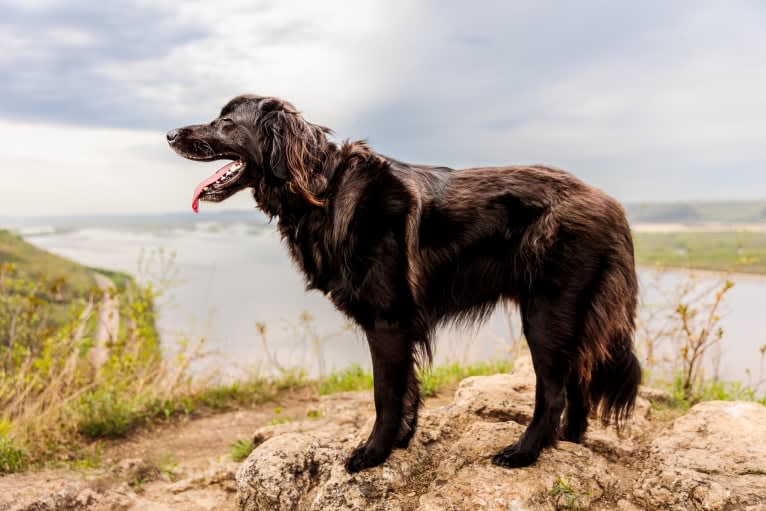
(402, 249)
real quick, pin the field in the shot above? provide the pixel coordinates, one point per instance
(735, 251)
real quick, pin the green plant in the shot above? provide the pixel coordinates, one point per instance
(351, 378)
(12, 458)
(241, 449)
(168, 466)
(278, 418)
(701, 331)
(433, 379)
(563, 494)
(106, 413)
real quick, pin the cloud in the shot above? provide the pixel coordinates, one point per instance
(60, 51)
(653, 101)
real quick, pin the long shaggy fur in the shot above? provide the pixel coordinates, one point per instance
(402, 248)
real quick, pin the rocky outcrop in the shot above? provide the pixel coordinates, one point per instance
(713, 458)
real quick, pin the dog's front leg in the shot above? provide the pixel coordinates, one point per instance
(392, 367)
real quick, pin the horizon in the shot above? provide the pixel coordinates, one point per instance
(254, 209)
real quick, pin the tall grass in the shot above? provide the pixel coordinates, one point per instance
(52, 392)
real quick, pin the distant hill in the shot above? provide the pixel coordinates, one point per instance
(698, 212)
(693, 212)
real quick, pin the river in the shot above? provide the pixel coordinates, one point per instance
(229, 277)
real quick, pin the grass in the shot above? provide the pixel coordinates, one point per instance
(738, 251)
(12, 458)
(241, 449)
(351, 378)
(431, 380)
(564, 495)
(106, 413)
(114, 414)
(706, 390)
(434, 379)
(245, 393)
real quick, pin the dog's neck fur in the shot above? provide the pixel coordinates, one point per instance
(328, 164)
(302, 224)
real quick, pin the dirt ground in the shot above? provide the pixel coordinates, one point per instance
(185, 465)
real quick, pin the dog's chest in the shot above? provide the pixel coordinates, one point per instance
(313, 253)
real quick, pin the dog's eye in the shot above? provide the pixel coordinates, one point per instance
(226, 120)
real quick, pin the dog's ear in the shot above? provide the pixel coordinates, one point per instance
(292, 139)
(278, 160)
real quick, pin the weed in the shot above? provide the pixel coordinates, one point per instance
(563, 494)
(352, 378)
(241, 449)
(12, 458)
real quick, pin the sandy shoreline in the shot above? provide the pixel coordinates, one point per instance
(756, 277)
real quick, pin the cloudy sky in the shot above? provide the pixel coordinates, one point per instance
(648, 100)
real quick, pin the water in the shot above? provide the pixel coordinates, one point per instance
(231, 276)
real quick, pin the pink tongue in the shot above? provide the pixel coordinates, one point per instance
(212, 179)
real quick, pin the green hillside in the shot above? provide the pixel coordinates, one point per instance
(65, 279)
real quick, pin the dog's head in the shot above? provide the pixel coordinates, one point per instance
(267, 141)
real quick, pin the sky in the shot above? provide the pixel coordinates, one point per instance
(650, 101)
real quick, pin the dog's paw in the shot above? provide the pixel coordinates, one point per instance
(514, 457)
(406, 432)
(362, 457)
(576, 437)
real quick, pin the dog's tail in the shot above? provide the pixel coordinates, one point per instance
(614, 383)
(608, 368)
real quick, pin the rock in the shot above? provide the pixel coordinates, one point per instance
(220, 474)
(300, 466)
(69, 498)
(466, 479)
(655, 395)
(711, 458)
(137, 471)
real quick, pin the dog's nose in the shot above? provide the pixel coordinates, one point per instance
(172, 134)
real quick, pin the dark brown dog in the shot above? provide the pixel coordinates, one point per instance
(403, 248)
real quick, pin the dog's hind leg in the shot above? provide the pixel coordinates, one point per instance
(577, 410)
(550, 334)
(393, 370)
(410, 412)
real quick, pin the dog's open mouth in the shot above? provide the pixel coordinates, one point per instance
(220, 185)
